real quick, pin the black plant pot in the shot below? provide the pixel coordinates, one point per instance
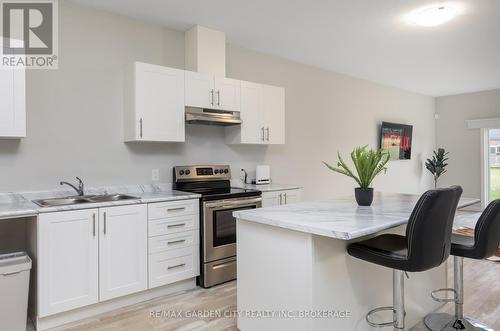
(364, 196)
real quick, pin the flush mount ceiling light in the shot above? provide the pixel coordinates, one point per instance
(433, 15)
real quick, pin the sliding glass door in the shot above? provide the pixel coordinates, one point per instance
(494, 164)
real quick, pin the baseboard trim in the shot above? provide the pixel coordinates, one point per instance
(75, 315)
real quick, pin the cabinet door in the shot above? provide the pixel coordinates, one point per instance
(274, 114)
(227, 93)
(291, 196)
(67, 260)
(12, 107)
(270, 199)
(159, 103)
(252, 128)
(199, 90)
(122, 250)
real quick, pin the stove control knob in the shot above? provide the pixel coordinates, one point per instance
(216, 171)
(221, 171)
(187, 172)
(226, 171)
(181, 172)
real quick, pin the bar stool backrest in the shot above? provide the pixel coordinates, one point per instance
(429, 228)
(487, 231)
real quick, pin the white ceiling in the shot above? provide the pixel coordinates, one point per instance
(361, 38)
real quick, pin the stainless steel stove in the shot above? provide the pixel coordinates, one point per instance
(218, 226)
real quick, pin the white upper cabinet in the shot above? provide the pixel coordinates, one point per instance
(263, 116)
(210, 92)
(67, 260)
(13, 104)
(227, 95)
(154, 104)
(274, 114)
(251, 130)
(123, 250)
(200, 90)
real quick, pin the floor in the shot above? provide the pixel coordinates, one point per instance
(482, 300)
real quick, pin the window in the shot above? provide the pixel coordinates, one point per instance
(494, 164)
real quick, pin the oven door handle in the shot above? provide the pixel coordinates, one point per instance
(233, 203)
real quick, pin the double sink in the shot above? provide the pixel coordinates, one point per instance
(75, 200)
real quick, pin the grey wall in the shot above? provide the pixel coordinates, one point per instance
(462, 143)
(75, 116)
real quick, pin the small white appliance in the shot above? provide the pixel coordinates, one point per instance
(262, 174)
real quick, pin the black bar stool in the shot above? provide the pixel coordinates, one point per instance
(425, 246)
(483, 245)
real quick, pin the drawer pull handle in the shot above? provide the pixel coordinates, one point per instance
(222, 265)
(176, 242)
(177, 266)
(176, 209)
(176, 225)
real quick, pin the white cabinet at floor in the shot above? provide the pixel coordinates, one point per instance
(67, 260)
(263, 116)
(210, 92)
(279, 198)
(174, 250)
(13, 104)
(122, 250)
(92, 255)
(154, 104)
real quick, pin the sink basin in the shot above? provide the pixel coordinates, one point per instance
(112, 197)
(61, 201)
(53, 202)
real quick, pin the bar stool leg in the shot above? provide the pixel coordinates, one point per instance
(446, 322)
(398, 295)
(460, 322)
(398, 304)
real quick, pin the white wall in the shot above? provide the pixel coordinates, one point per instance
(75, 116)
(462, 143)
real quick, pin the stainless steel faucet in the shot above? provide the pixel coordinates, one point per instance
(78, 189)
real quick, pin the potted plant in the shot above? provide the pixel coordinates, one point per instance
(437, 165)
(368, 164)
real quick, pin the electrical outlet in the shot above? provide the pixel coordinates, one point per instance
(155, 175)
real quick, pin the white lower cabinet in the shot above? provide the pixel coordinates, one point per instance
(123, 251)
(93, 255)
(279, 198)
(174, 241)
(173, 265)
(68, 274)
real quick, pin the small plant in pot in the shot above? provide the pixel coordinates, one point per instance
(368, 164)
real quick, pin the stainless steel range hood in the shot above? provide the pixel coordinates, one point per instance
(212, 117)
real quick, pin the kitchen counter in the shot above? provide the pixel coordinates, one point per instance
(268, 187)
(340, 218)
(13, 205)
(300, 267)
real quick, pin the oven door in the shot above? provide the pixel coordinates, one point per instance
(219, 226)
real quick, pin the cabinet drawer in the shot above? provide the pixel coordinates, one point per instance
(173, 241)
(173, 266)
(173, 208)
(173, 225)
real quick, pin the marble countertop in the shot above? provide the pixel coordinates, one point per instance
(340, 218)
(268, 187)
(14, 205)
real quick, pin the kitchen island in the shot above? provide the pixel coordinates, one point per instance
(294, 272)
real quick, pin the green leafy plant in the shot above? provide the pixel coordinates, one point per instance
(437, 165)
(368, 164)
